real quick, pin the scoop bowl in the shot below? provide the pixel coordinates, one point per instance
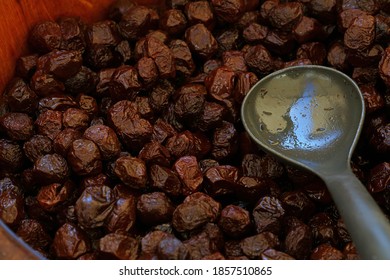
(311, 116)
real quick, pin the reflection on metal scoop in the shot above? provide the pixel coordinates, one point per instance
(311, 116)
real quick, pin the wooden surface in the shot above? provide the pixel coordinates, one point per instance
(10, 249)
(16, 19)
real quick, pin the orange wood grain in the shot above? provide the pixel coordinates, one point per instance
(16, 19)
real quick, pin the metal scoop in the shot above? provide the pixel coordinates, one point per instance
(311, 116)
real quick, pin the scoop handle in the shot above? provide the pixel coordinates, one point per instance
(366, 223)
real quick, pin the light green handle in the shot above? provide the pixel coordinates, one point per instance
(368, 226)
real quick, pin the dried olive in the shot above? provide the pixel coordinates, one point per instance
(119, 246)
(234, 221)
(200, 12)
(84, 157)
(11, 203)
(51, 168)
(122, 218)
(187, 168)
(46, 36)
(201, 41)
(192, 214)
(131, 171)
(154, 208)
(20, 97)
(254, 246)
(106, 139)
(70, 242)
(17, 126)
(94, 206)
